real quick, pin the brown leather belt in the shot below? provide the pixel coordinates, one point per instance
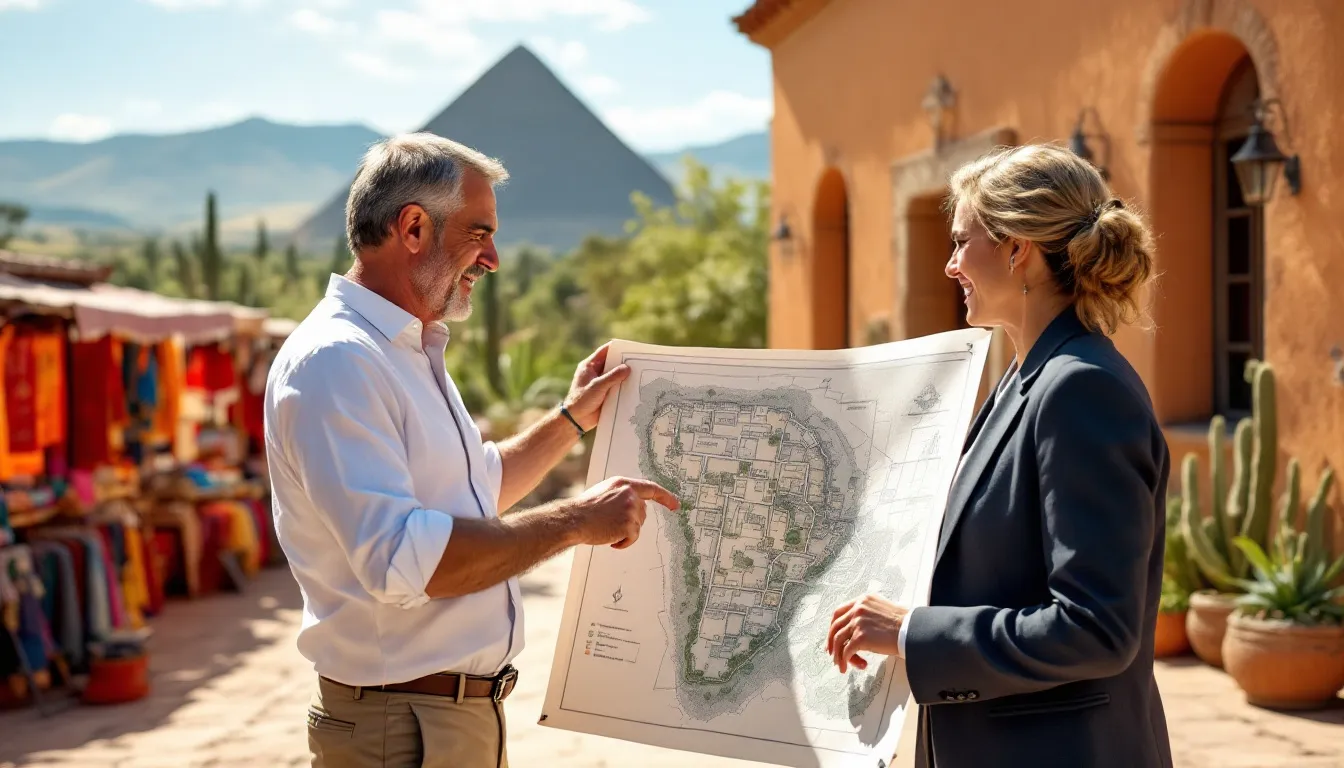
(454, 685)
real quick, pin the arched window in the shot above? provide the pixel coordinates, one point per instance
(1238, 251)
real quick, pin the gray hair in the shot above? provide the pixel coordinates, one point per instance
(419, 168)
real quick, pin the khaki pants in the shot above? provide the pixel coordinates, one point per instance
(403, 730)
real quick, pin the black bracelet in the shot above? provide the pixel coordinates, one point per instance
(565, 412)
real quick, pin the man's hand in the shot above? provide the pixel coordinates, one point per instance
(612, 511)
(590, 387)
(871, 623)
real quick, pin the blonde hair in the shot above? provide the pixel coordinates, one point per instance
(1099, 251)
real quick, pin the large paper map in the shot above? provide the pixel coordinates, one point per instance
(806, 479)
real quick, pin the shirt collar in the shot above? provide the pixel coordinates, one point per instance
(391, 320)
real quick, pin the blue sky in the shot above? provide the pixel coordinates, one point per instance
(661, 73)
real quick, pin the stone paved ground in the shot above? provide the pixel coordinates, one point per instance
(231, 690)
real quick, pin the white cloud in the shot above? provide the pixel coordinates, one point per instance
(21, 5)
(443, 38)
(376, 66)
(74, 127)
(609, 15)
(317, 23)
(185, 5)
(717, 116)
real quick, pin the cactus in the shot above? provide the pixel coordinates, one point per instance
(1265, 453)
(1239, 493)
(1199, 533)
(1286, 540)
(1317, 533)
(1243, 508)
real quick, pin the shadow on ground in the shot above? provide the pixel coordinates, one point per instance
(195, 642)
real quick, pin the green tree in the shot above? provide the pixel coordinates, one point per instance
(255, 295)
(263, 247)
(340, 264)
(186, 274)
(12, 217)
(704, 264)
(292, 270)
(247, 285)
(209, 254)
(150, 253)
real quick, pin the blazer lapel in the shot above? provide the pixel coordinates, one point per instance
(996, 420)
(1001, 415)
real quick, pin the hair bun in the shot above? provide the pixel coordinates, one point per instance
(1112, 257)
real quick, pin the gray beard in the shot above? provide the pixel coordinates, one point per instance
(429, 280)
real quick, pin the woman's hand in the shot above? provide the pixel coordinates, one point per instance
(871, 623)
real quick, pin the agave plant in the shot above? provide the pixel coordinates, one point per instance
(1292, 586)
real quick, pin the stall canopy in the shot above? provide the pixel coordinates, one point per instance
(99, 309)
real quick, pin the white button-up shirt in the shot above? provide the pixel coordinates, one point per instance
(372, 456)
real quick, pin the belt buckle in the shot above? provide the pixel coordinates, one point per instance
(507, 675)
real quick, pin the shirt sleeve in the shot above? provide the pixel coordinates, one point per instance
(494, 471)
(338, 418)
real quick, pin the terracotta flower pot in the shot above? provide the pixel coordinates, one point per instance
(1281, 665)
(1206, 623)
(1171, 639)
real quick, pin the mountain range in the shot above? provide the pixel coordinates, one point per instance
(258, 169)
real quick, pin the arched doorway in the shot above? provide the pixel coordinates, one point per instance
(1209, 306)
(935, 300)
(830, 263)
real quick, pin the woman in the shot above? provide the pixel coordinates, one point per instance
(1036, 648)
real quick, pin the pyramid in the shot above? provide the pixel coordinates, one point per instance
(570, 176)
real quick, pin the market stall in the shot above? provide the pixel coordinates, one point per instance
(120, 488)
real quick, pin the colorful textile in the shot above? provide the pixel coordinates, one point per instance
(49, 361)
(21, 393)
(91, 404)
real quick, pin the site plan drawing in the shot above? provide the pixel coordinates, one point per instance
(806, 479)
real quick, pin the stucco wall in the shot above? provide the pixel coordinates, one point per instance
(848, 90)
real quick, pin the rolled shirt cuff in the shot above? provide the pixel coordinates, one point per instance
(417, 556)
(494, 471)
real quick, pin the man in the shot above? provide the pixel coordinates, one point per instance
(386, 500)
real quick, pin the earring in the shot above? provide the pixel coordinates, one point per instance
(1024, 289)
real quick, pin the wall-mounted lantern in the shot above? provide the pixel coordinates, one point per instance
(1078, 142)
(939, 100)
(783, 235)
(1259, 159)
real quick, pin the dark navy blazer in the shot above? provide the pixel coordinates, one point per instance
(1037, 646)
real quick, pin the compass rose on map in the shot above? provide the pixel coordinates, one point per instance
(928, 399)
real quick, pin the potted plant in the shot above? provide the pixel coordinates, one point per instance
(1180, 578)
(1240, 508)
(1285, 641)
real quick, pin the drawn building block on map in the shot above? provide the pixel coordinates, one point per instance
(758, 491)
(713, 445)
(760, 620)
(709, 497)
(691, 467)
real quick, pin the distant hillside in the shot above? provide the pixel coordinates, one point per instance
(746, 156)
(159, 182)
(285, 173)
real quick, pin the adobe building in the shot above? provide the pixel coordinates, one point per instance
(878, 101)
